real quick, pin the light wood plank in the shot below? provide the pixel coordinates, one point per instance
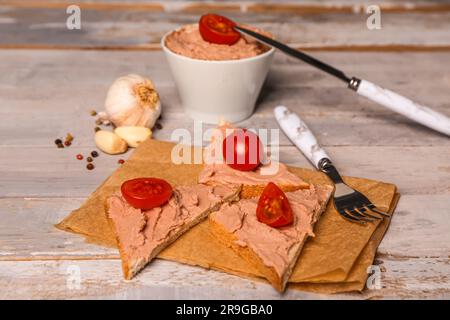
(419, 229)
(71, 83)
(103, 279)
(142, 26)
(28, 232)
(400, 278)
(53, 172)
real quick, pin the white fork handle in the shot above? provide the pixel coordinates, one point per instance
(404, 106)
(299, 133)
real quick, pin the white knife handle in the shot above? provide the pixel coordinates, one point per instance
(299, 133)
(402, 105)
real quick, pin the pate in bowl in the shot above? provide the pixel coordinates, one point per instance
(216, 81)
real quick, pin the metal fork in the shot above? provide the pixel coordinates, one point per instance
(351, 204)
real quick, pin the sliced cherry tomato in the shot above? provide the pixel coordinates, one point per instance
(146, 193)
(242, 150)
(273, 207)
(218, 29)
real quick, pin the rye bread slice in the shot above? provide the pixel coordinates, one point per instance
(246, 249)
(138, 232)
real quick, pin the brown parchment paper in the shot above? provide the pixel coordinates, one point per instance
(335, 260)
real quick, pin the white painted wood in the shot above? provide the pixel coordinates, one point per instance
(68, 90)
(52, 172)
(27, 231)
(141, 27)
(100, 279)
(46, 93)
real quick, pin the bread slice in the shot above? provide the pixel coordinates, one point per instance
(142, 235)
(272, 251)
(215, 171)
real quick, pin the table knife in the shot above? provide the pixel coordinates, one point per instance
(387, 98)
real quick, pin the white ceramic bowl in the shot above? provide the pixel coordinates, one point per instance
(211, 91)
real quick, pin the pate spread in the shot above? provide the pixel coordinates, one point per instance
(215, 171)
(224, 174)
(187, 41)
(140, 232)
(276, 247)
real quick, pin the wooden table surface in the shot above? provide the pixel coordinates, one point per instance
(51, 77)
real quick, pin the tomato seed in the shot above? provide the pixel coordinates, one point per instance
(93, 113)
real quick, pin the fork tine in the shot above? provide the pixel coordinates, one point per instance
(364, 212)
(358, 215)
(372, 207)
(349, 217)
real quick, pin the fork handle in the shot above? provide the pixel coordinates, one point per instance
(299, 133)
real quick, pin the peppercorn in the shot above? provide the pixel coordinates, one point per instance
(120, 161)
(158, 126)
(58, 141)
(90, 166)
(67, 143)
(69, 137)
(94, 154)
(79, 156)
(60, 145)
(89, 159)
(93, 113)
(97, 129)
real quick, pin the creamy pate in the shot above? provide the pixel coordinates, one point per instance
(187, 41)
(140, 232)
(276, 247)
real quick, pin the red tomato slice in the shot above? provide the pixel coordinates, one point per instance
(146, 193)
(218, 29)
(242, 150)
(273, 207)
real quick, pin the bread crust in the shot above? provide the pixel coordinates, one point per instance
(132, 267)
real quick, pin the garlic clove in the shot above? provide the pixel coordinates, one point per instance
(133, 135)
(109, 142)
(132, 100)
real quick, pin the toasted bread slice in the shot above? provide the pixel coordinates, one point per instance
(272, 251)
(142, 235)
(215, 171)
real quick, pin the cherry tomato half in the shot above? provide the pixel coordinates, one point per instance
(146, 193)
(273, 207)
(218, 29)
(242, 150)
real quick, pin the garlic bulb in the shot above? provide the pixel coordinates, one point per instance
(132, 100)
